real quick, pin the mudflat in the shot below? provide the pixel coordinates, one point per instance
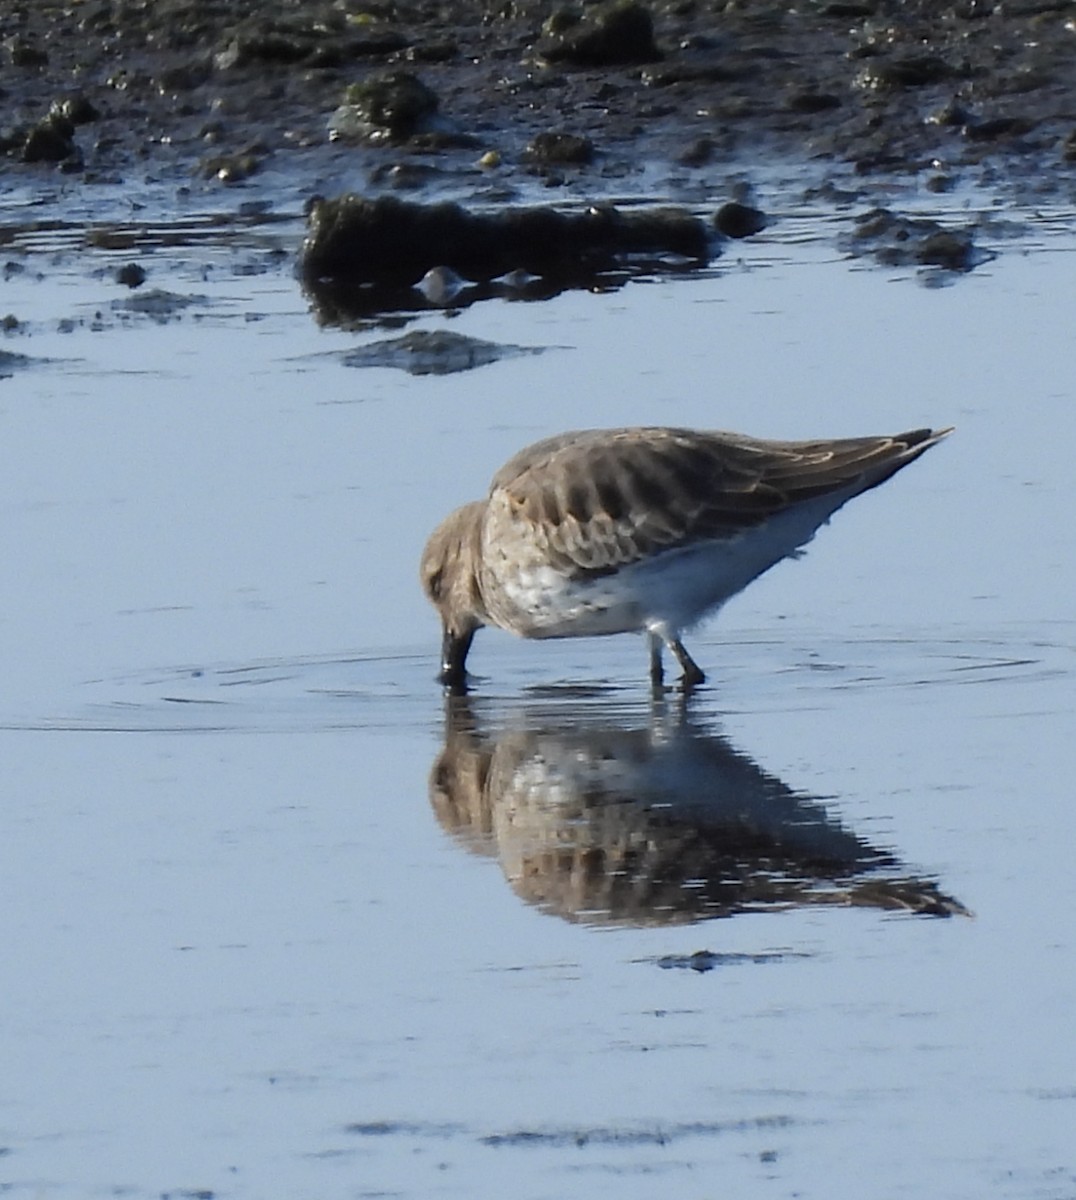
(413, 94)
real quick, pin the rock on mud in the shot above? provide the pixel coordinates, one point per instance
(893, 240)
(433, 352)
(314, 41)
(232, 168)
(11, 362)
(561, 149)
(617, 33)
(131, 275)
(52, 138)
(392, 106)
(158, 305)
(388, 240)
(736, 220)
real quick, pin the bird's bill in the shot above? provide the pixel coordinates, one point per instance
(454, 647)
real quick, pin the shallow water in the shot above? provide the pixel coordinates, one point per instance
(277, 923)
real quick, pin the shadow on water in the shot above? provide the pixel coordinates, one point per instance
(619, 819)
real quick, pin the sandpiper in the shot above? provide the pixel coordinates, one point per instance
(648, 530)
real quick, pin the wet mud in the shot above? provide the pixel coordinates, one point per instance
(517, 94)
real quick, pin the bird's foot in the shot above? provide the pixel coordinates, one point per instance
(691, 679)
(693, 674)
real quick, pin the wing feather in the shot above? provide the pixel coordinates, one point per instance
(597, 500)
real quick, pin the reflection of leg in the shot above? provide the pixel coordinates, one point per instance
(692, 672)
(670, 713)
(657, 672)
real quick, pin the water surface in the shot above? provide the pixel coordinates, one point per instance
(277, 923)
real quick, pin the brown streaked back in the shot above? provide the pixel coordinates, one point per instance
(600, 499)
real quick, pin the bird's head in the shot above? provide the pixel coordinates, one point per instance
(449, 575)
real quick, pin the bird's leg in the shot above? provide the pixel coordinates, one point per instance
(693, 674)
(454, 647)
(657, 671)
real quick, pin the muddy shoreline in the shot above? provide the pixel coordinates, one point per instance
(218, 97)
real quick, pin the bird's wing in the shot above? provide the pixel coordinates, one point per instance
(597, 500)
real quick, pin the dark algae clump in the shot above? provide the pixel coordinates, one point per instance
(388, 240)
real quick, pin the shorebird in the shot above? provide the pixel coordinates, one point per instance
(648, 530)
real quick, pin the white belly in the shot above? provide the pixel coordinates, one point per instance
(669, 592)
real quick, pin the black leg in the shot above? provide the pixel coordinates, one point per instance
(693, 674)
(657, 671)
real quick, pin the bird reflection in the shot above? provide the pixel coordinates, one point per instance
(648, 819)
